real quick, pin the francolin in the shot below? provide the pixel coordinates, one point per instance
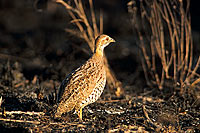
(84, 85)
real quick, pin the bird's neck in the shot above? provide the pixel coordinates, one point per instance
(98, 55)
(99, 52)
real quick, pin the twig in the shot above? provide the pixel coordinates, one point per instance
(193, 71)
(1, 101)
(148, 119)
(21, 121)
(38, 122)
(113, 101)
(194, 83)
(101, 22)
(71, 124)
(94, 24)
(22, 112)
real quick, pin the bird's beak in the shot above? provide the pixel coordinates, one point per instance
(112, 40)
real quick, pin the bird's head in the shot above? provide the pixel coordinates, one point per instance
(101, 42)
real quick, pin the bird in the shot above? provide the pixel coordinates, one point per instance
(84, 85)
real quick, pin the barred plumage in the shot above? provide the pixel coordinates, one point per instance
(84, 85)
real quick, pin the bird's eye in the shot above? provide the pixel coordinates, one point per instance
(107, 38)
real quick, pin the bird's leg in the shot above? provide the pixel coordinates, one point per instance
(80, 114)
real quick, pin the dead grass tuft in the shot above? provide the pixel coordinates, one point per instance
(165, 39)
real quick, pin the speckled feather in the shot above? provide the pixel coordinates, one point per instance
(84, 85)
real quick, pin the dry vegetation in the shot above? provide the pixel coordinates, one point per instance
(165, 37)
(31, 70)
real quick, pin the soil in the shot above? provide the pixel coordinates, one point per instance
(36, 54)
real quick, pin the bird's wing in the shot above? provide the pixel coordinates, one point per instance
(77, 85)
(63, 85)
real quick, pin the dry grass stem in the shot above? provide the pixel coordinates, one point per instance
(149, 120)
(22, 112)
(20, 121)
(1, 101)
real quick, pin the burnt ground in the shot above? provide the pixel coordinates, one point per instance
(36, 54)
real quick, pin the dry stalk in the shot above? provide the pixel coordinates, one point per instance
(22, 112)
(158, 127)
(89, 33)
(171, 42)
(20, 121)
(192, 86)
(38, 122)
(1, 101)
